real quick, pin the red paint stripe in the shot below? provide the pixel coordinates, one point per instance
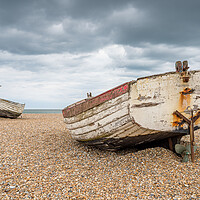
(87, 104)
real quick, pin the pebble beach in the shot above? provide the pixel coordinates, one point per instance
(40, 160)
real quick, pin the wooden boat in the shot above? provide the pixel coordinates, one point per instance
(137, 112)
(10, 109)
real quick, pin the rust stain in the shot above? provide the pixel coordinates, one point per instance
(197, 118)
(187, 91)
(184, 102)
(197, 122)
(186, 79)
(177, 121)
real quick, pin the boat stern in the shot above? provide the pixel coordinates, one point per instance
(155, 100)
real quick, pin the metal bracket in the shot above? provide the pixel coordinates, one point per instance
(190, 123)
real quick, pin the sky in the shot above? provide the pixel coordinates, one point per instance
(52, 52)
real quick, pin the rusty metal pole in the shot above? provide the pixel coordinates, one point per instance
(192, 136)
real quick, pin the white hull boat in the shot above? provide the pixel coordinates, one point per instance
(137, 112)
(10, 109)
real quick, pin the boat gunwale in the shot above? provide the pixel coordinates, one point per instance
(12, 102)
(86, 115)
(166, 73)
(68, 113)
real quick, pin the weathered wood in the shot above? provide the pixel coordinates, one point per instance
(101, 131)
(10, 109)
(192, 137)
(136, 112)
(87, 104)
(94, 115)
(170, 144)
(100, 122)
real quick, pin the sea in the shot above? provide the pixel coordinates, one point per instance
(40, 111)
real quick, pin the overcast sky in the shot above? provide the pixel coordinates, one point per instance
(52, 52)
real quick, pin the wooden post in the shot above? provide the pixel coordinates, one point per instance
(170, 144)
(192, 136)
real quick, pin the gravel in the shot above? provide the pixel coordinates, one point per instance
(39, 160)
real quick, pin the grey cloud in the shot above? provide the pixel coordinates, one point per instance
(61, 49)
(88, 25)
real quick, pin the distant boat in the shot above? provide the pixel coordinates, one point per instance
(10, 109)
(136, 112)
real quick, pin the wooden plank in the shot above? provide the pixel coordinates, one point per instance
(140, 131)
(93, 114)
(192, 137)
(95, 101)
(122, 132)
(170, 144)
(102, 131)
(127, 132)
(97, 117)
(101, 122)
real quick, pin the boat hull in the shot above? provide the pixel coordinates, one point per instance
(135, 113)
(10, 109)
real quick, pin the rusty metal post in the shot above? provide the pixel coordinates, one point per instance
(190, 123)
(192, 136)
